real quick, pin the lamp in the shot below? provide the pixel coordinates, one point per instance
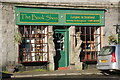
(117, 28)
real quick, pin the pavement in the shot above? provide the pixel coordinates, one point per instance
(56, 73)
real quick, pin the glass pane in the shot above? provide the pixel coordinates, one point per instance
(107, 50)
(91, 44)
(34, 46)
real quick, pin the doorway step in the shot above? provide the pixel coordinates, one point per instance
(63, 68)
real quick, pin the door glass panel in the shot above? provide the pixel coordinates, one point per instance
(60, 41)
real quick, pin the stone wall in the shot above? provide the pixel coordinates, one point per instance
(58, 0)
(111, 18)
(71, 43)
(119, 13)
(0, 36)
(9, 48)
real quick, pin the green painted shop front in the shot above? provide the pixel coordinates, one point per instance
(62, 48)
(38, 16)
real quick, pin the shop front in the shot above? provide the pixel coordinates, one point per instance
(49, 35)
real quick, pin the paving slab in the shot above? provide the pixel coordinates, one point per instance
(56, 73)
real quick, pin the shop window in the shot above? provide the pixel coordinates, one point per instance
(91, 37)
(34, 45)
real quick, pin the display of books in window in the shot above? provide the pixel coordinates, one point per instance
(38, 57)
(34, 45)
(44, 56)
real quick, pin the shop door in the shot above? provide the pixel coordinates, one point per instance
(61, 45)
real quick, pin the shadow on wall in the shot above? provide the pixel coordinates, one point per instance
(5, 75)
(118, 12)
(56, 59)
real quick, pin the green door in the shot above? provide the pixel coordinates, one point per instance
(61, 40)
